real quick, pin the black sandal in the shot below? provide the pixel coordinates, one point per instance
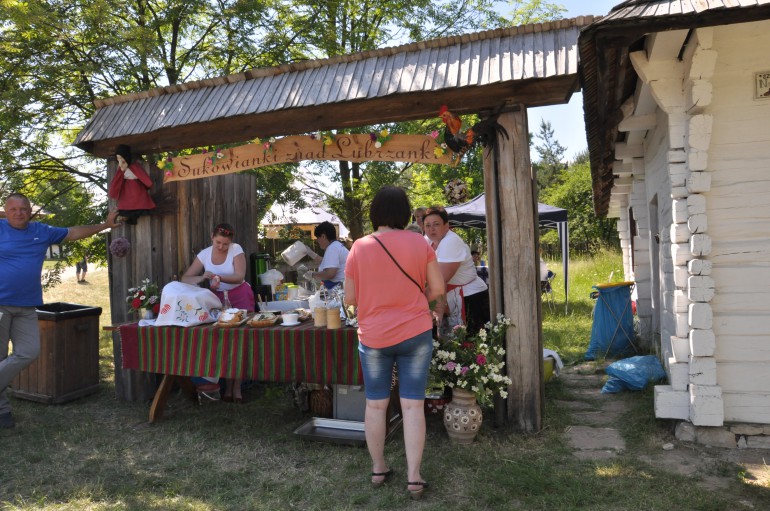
(385, 475)
(416, 494)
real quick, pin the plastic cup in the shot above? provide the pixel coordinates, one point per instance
(333, 319)
(319, 316)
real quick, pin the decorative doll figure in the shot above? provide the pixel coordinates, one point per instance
(130, 187)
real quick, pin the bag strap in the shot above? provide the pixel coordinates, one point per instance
(399, 266)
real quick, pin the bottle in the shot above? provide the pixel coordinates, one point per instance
(226, 302)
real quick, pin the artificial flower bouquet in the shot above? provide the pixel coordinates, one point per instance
(145, 296)
(473, 362)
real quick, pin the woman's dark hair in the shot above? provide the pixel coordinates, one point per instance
(225, 230)
(390, 208)
(327, 229)
(437, 210)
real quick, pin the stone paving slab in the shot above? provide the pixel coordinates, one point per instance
(575, 405)
(594, 418)
(586, 438)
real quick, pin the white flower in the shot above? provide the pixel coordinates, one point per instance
(503, 394)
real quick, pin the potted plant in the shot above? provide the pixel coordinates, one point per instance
(473, 367)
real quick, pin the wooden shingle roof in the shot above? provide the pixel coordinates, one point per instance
(607, 76)
(532, 65)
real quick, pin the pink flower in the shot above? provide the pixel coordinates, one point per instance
(451, 366)
(481, 360)
(434, 134)
(464, 370)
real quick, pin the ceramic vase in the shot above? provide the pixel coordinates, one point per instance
(148, 314)
(462, 416)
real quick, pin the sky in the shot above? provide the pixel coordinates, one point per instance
(567, 120)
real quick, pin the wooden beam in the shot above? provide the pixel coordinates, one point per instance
(638, 123)
(520, 292)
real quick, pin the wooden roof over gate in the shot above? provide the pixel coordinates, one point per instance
(533, 65)
(608, 78)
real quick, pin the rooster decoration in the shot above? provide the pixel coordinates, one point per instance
(460, 141)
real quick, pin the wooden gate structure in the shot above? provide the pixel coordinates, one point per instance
(500, 72)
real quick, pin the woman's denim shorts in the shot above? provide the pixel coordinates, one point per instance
(412, 357)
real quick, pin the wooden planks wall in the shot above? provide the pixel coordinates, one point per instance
(164, 245)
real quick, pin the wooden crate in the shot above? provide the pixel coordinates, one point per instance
(68, 365)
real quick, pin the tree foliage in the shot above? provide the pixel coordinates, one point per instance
(551, 164)
(587, 232)
(58, 56)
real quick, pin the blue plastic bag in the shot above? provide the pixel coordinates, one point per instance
(633, 373)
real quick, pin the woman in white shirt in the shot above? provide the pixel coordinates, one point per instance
(467, 294)
(222, 267)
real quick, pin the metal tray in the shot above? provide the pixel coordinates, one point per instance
(339, 431)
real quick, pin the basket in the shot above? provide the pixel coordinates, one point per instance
(262, 320)
(322, 402)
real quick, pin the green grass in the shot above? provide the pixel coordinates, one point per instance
(100, 454)
(569, 333)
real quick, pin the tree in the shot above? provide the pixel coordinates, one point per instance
(56, 58)
(550, 166)
(587, 232)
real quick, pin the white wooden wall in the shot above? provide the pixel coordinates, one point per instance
(738, 212)
(699, 143)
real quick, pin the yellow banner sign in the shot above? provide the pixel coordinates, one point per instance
(293, 149)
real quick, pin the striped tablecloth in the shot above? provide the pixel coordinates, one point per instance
(283, 354)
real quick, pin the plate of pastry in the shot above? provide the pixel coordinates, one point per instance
(263, 319)
(231, 318)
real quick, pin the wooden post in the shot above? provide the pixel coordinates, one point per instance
(511, 213)
(494, 230)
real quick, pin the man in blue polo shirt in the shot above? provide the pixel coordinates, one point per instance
(23, 246)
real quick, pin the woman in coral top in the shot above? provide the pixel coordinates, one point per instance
(385, 278)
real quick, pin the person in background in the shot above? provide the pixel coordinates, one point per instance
(223, 265)
(481, 270)
(385, 278)
(467, 294)
(545, 273)
(23, 246)
(81, 268)
(331, 270)
(418, 216)
(130, 187)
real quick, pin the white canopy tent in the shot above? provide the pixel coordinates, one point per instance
(306, 219)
